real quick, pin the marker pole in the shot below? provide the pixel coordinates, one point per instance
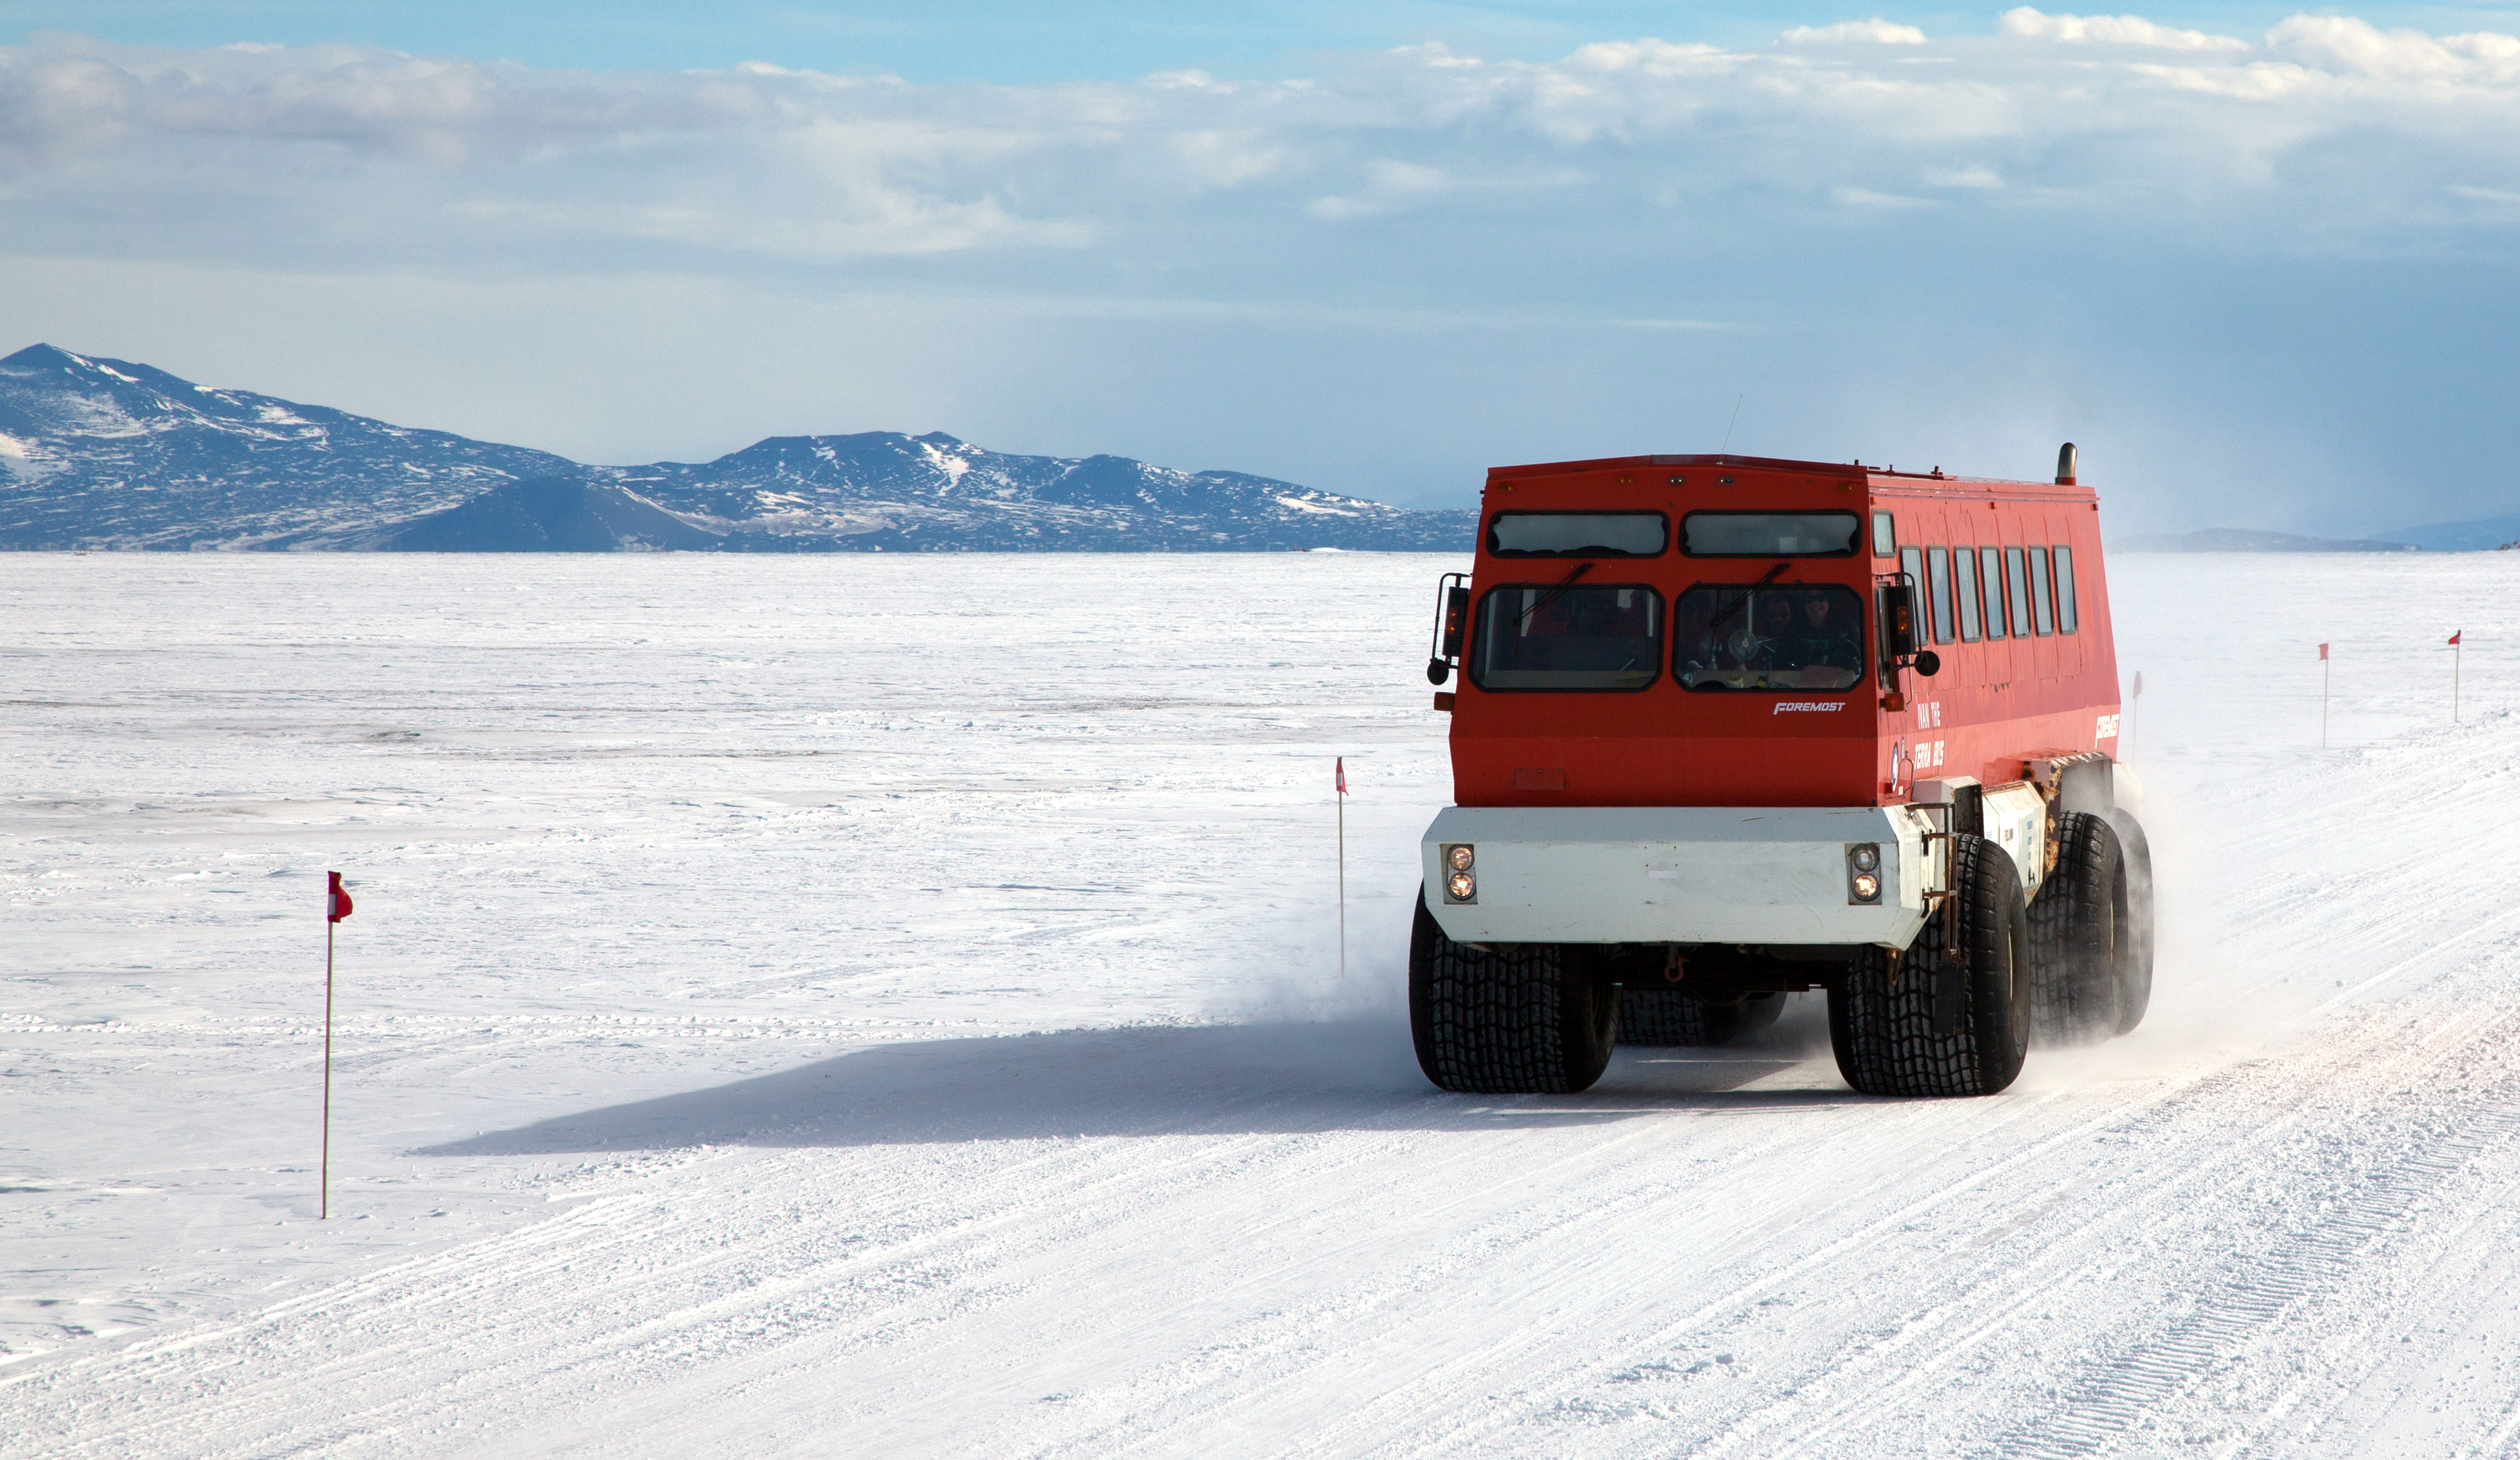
(2322, 697)
(2455, 649)
(324, 1209)
(1343, 868)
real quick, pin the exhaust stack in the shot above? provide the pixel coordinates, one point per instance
(2065, 465)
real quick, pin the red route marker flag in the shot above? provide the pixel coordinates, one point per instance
(336, 906)
(2322, 697)
(2453, 674)
(1338, 778)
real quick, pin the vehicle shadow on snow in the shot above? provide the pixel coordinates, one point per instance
(1219, 1080)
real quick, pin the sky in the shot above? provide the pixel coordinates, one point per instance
(2259, 263)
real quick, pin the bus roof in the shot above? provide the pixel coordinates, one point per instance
(1754, 463)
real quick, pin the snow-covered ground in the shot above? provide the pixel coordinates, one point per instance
(872, 1005)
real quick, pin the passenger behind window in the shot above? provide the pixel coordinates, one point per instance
(1823, 642)
(1769, 638)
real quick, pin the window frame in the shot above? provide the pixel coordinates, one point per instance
(2017, 591)
(1679, 539)
(2068, 611)
(1885, 536)
(1990, 562)
(1488, 535)
(1474, 638)
(1938, 587)
(1965, 590)
(2043, 608)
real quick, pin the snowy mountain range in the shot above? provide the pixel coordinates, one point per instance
(100, 453)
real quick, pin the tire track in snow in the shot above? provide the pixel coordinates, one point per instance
(512, 1278)
(2361, 1211)
(2145, 1373)
(515, 1284)
(1795, 1422)
(1510, 1260)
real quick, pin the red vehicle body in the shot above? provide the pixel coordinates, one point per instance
(1995, 703)
(1731, 728)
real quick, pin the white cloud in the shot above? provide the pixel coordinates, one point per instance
(2342, 44)
(1217, 159)
(1862, 32)
(2115, 30)
(1389, 187)
(340, 157)
(1981, 179)
(1867, 198)
(1285, 275)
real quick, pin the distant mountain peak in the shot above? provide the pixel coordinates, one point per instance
(97, 452)
(53, 358)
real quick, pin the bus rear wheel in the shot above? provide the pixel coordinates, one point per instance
(2135, 959)
(2081, 934)
(1666, 1018)
(1952, 1015)
(1534, 1019)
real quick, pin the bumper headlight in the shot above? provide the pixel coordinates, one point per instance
(1458, 858)
(1863, 872)
(1461, 887)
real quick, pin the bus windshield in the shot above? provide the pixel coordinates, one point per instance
(1538, 637)
(1785, 637)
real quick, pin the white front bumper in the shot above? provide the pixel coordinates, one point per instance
(1681, 874)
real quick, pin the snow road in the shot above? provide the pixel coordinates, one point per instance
(890, 1006)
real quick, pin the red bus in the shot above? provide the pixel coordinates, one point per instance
(1727, 728)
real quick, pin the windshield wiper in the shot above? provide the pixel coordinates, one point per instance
(1736, 604)
(1559, 591)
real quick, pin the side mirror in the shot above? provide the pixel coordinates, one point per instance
(1898, 622)
(1456, 617)
(1452, 616)
(1929, 663)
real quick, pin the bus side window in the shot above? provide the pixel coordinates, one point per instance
(2016, 590)
(2039, 602)
(1912, 562)
(1938, 571)
(1885, 537)
(1965, 560)
(2065, 617)
(1990, 562)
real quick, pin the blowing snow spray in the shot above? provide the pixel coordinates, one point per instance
(336, 906)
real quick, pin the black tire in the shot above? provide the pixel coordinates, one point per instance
(1952, 1015)
(1665, 1018)
(2080, 935)
(2135, 969)
(1537, 1019)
